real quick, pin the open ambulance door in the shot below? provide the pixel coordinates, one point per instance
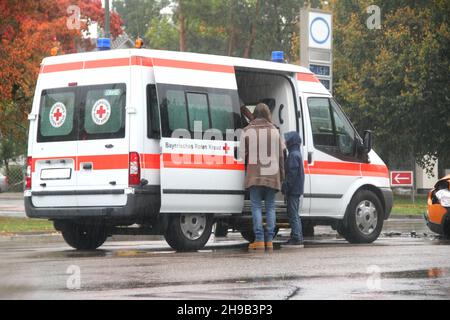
(199, 173)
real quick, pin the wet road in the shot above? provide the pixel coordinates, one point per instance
(397, 266)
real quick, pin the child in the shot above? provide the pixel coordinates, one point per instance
(293, 186)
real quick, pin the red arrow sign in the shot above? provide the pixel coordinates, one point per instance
(401, 178)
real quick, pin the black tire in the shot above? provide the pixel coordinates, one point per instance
(446, 228)
(249, 235)
(221, 229)
(84, 237)
(180, 240)
(364, 229)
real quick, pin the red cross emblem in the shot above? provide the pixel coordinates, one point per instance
(57, 114)
(101, 111)
(226, 148)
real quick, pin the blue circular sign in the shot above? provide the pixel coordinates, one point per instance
(317, 21)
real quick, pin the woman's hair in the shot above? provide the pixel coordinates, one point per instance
(262, 112)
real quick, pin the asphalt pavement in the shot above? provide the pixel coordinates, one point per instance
(404, 263)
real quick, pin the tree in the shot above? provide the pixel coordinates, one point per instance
(245, 28)
(137, 14)
(394, 80)
(28, 30)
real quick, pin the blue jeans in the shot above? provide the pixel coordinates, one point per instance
(294, 218)
(257, 194)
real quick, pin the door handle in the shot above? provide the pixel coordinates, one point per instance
(279, 114)
(87, 166)
(109, 146)
(310, 155)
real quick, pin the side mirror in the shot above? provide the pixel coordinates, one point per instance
(368, 141)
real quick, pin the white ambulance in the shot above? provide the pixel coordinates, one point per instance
(103, 157)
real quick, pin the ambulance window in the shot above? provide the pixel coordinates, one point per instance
(56, 115)
(153, 129)
(345, 134)
(332, 132)
(176, 110)
(321, 122)
(198, 111)
(104, 112)
(222, 113)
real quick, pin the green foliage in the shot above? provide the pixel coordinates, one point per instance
(394, 80)
(137, 14)
(245, 28)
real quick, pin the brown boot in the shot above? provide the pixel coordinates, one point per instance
(269, 245)
(256, 246)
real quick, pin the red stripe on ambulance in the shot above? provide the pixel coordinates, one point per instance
(136, 61)
(307, 77)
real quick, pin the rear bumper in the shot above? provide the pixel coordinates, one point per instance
(143, 203)
(388, 199)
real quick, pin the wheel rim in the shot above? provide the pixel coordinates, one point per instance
(193, 225)
(366, 217)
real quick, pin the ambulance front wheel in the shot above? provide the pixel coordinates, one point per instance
(189, 232)
(84, 237)
(364, 218)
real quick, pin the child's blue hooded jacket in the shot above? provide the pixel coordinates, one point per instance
(295, 173)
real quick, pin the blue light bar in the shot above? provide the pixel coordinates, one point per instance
(277, 56)
(103, 44)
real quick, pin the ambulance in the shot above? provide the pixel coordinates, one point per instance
(105, 153)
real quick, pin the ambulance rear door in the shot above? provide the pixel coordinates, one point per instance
(199, 171)
(103, 142)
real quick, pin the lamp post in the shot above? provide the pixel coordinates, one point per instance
(107, 33)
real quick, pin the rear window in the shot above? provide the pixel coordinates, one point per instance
(56, 115)
(82, 113)
(103, 112)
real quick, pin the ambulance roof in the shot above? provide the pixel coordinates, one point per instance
(181, 56)
(311, 84)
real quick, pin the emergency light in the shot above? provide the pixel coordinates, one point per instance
(103, 44)
(277, 56)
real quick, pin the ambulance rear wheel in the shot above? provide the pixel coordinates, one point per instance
(189, 232)
(84, 237)
(364, 218)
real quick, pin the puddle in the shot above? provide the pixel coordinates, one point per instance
(432, 273)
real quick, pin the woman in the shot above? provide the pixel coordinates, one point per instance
(265, 167)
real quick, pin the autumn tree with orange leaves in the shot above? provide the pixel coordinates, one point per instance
(28, 31)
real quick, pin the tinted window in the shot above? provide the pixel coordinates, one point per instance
(221, 107)
(104, 112)
(176, 110)
(181, 106)
(198, 110)
(153, 127)
(56, 115)
(332, 132)
(81, 113)
(321, 122)
(345, 134)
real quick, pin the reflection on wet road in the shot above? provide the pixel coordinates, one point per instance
(404, 263)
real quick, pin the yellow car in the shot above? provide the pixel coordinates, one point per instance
(438, 212)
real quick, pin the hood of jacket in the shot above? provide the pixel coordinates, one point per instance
(292, 140)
